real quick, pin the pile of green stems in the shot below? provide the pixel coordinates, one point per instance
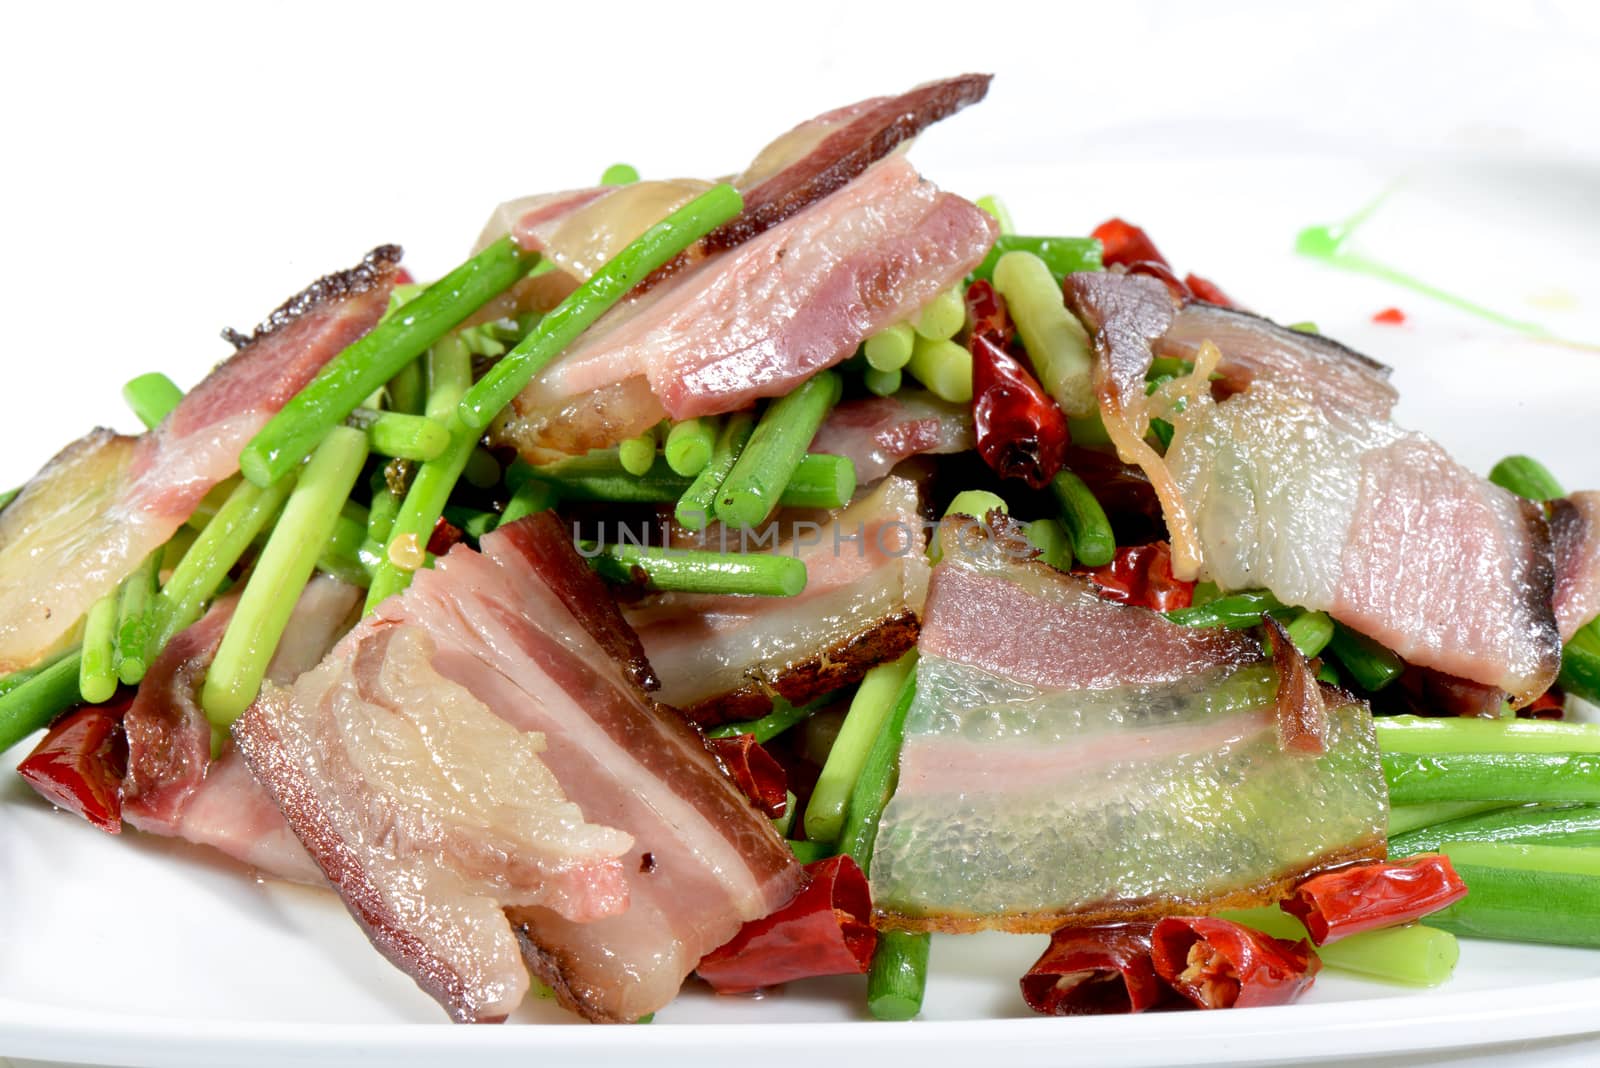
(1515, 804)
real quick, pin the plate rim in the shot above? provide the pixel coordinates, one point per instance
(1560, 1009)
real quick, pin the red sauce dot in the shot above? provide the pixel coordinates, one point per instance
(1390, 317)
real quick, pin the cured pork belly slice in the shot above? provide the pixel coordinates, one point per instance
(1135, 317)
(876, 433)
(999, 609)
(826, 153)
(429, 815)
(1256, 349)
(1378, 527)
(1302, 486)
(579, 230)
(1575, 531)
(102, 505)
(1070, 761)
(755, 321)
(173, 787)
(1142, 320)
(483, 742)
(704, 860)
(845, 272)
(65, 541)
(726, 658)
(198, 445)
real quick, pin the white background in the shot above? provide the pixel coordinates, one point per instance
(170, 171)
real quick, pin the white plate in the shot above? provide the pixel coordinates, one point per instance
(143, 951)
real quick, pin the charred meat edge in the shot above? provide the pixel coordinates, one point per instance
(1337, 350)
(841, 664)
(1302, 705)
(551, 969)
(846, 153)
(842, 156)
(371, 272)
(586, 596)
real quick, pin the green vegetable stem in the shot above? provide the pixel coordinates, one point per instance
(369, 364)
(650, 250)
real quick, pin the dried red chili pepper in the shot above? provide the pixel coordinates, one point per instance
(1141, 575)
(1163, 591)
(1095, 971)
(1341, 903)
(445, 535)
(80, 763)
(824, 930)
(987, 311)
(1207, 290)
(1021, 432)
(1129, 247)
(1552, 704)
(760, 776)
(402, 277)
(1219, 964)
(1123, 245)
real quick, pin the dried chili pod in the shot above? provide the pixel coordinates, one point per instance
(79, 764)
(1021, 432)
(1129, 247)
(1141, 575)
(1368, 896)
(756, 771)
(1124, 244)
(826, 929)
(1091, 971)
(1219, 964)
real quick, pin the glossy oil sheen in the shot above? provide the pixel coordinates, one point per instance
(1067, 758)
(1221, 807)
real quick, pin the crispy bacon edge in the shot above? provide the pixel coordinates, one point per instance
(841, 664)
(375, 269)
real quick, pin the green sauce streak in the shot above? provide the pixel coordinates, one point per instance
(1327, 243)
